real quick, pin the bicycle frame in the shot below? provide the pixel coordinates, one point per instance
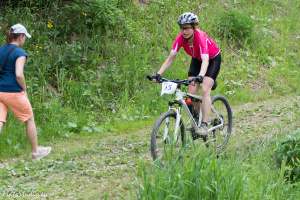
(180, 100)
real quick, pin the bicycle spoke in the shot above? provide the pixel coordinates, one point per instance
(166, 144)
(221, 115)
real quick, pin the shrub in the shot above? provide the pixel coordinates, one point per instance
(288, 151)
(92, 17)
(235, 26)
(32, 4)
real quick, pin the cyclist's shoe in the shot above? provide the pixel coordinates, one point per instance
(195, 136)
(204, 125)
(203, 129)
(202, 133)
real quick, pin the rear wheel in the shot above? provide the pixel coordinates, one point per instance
(222, 116)
(167, 136)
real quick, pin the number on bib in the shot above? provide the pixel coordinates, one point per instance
(168, 88)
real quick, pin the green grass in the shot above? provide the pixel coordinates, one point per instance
(198, 174)
(94, 165)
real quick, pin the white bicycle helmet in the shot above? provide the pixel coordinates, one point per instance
(187, 18)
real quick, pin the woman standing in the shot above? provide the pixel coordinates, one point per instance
(13, 93)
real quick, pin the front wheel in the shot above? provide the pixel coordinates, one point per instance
(167, 136)
(223, 119)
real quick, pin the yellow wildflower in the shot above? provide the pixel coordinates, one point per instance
(50, 24)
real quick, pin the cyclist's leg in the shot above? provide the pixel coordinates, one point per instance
(208, 82)
(206, 99)
(193, 72)
(193, 88)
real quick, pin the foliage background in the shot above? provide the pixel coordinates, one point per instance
(88, 59)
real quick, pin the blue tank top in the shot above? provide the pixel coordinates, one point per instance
(8, 81)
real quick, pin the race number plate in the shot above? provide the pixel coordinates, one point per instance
(168, 88)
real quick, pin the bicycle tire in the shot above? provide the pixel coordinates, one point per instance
(228, 120)
(156, 133)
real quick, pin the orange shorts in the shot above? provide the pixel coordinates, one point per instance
(18, 103)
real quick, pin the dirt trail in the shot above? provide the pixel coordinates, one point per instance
(91, 167)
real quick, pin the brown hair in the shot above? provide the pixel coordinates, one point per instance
(10, 37)
(195, 25)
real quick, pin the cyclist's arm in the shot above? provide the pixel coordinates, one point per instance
(204, 42)
(168, 62)
(204, 65)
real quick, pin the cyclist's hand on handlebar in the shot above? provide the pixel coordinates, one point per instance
(156, 77)
(198, 79)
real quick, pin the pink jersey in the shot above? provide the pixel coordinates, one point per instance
(202, 45)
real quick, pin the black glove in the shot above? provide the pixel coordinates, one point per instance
(156, 77)
(198, 79)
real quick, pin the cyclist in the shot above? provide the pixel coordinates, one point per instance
(205, 63)
(13, 93)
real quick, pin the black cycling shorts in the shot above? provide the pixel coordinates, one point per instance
(212, 69)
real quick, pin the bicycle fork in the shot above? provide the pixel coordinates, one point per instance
(177, 125)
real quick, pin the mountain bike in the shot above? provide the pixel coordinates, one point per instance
(169, 129)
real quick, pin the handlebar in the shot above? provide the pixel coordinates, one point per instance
(185, 82)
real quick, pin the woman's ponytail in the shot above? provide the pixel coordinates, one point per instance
(10, 36)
